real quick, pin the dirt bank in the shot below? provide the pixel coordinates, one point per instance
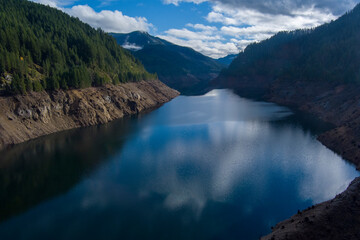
(25, 117)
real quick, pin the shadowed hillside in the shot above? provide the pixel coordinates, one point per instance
(179, 67)
(329, 53)
(44, 48)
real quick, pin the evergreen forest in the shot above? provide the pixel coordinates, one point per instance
(42, 48)
(330, 52)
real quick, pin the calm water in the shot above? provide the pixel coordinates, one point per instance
(208, 167)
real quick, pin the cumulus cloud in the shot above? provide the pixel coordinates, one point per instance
(287, 6)
(255, 25)
(201, 27)
(109, 21)
(205, 39)
(241, 27)
(176, 2)
(55, 3)
(241, 21)
(246, 21)
(191, 35)
(279, 6)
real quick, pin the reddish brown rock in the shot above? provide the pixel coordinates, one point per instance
(24, 117)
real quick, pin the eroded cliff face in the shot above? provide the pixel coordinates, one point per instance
(24, 117)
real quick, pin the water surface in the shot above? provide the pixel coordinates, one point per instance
(207, 167)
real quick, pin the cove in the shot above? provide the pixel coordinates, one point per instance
(216, 166)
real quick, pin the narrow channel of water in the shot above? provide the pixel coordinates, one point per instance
(207, 167)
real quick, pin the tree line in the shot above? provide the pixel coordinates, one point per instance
(42, 48)
(329, 53)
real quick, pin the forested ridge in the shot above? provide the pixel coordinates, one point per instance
(42, 48)
(181, 68)
(330, 52)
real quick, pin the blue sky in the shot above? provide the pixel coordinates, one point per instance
(215, 28)
(162, 16)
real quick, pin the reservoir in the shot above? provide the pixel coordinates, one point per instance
(216, 166)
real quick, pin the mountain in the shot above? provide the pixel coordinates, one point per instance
(44, 48)
(329, 53)
(181, 68)
(227, 59)
(316, 71)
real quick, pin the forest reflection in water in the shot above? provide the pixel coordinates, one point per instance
(215, 166)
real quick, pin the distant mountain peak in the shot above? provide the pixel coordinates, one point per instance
(137, 40)
(179, 67)
(131, 46)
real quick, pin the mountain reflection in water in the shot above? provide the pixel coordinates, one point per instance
(207, 167)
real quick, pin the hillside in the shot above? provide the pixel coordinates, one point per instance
(329, 53)
(44, 48)
(316, 71)
(179, 67)
(227, 60)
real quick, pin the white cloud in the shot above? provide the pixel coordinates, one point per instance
(241, 21)
(298, 18)
(241, 27)
(176, 2)
(132, 46)
(214, 49)
(284, 7)
(201, 27)
(55, 3)
(252, 24)
(244, 22)
(191, 35)
(207, 40)
(109, 21)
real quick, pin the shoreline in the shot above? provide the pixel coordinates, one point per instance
(337, 218)
(339, 105)
(26, 117)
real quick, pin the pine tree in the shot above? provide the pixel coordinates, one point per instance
(2, 64)
(18, 85)
(37, 87)
(48, 49)
(28, 84)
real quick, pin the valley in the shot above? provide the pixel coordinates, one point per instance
(225, 129)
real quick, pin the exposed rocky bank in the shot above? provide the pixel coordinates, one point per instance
(25, 117)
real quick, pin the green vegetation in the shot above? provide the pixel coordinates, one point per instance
(44, 48)
(327, 53)
(181, 68)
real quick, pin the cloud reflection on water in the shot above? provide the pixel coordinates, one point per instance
(208, 151)
(214, 166)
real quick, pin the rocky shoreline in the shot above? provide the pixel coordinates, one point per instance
(25, 117)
